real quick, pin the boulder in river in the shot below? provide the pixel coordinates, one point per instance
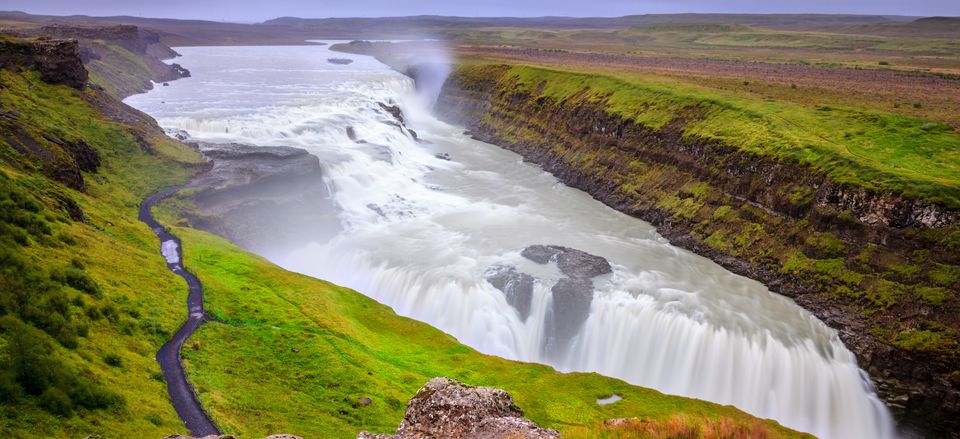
(394, 111)
(516, 286)
(570, 308)
(572, 262)
(448, 409)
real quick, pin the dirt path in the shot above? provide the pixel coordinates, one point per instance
(184, 399)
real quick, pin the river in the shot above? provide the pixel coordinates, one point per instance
(417, 232)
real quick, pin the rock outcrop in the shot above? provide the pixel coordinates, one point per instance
(447, 409)
(572, 262)
(57, 60)
(121, 73)
(571, 294)
(516, 286)
(253, 192)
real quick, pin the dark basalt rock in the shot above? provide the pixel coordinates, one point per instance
(516, 286)
(85, 156)
(58, 61)
(570, 308)
(352, 134)
(394, 111)
(572, 262)
(340, 61)
(540, 254)
(582, 265)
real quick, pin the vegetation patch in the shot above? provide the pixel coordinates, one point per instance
(327, 347)
(880, 151)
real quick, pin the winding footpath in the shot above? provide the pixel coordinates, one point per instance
(182, 396)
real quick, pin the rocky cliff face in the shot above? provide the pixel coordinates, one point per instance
(860, 260)
(261, 197)
(57, 60)
(448, 409)
(124, 59)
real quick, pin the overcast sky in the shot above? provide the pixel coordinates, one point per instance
(235, 10)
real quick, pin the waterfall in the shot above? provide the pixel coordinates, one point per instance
(422, 221)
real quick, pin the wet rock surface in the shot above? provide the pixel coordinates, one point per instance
(570, 308)
(572, 262)
(571, 295)
(445, 408)
(253, 192)
(516, 286)
(394, 111)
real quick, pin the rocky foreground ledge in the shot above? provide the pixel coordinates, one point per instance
(445, 408)
(448, 409)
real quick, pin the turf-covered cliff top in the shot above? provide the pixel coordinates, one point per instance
(868, 148)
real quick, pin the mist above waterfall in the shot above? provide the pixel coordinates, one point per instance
(424, 212)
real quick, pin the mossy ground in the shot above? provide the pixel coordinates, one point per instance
(128, 302)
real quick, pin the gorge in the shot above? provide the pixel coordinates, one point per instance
(424, 211)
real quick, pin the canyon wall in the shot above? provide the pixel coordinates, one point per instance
(878, 266)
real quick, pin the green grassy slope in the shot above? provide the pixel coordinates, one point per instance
(296, 354)
(84, 303)
(876, 150)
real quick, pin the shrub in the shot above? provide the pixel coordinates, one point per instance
(154, 419)
(55, 401)
(113, 360)
(884, 63)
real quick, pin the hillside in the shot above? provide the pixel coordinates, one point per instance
(86, 300)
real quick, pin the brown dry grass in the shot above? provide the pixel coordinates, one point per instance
(676, 427)
(812, 85)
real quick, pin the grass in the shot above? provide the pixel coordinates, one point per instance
(871, 149)
(326, 346)
(117, 301)
(674, 427)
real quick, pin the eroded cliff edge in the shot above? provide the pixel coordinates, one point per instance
(879, 266)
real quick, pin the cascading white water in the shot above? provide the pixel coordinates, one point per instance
(419, 231)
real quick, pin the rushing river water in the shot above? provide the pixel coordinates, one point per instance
(418, 232)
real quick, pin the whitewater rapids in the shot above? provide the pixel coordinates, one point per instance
(418, 231)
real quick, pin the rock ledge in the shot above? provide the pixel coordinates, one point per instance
(445, 408)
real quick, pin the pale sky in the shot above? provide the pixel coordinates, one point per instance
(250, 11)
